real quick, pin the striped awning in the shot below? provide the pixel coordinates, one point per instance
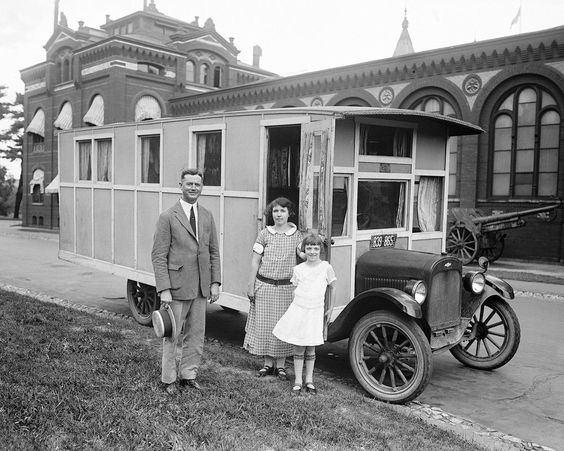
(37, 179)
(147, 108)
(64, 119)
(53, 187)
(37, 124)
(95, 115)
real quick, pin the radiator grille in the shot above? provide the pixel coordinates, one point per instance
(444, 300)
(379, 282)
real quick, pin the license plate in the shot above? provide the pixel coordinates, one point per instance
(377, 241)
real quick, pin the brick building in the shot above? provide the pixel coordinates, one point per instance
(147, 64)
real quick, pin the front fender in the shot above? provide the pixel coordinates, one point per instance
(500, 286)
(368, 301)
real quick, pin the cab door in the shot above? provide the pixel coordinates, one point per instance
(316, 179)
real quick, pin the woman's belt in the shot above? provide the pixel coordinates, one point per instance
(274, 281)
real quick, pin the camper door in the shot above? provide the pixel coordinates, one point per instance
(316, 178)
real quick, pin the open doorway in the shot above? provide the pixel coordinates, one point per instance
(283, 165)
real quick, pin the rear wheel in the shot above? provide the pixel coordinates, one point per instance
(390, 357)
(491, 338)
(143, 301)
(494, 248)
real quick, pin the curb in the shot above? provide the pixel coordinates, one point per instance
(473, 432)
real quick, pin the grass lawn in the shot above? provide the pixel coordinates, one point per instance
(72, 380)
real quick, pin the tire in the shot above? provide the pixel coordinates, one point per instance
(495, 336)
(143, 301)
(390, 357)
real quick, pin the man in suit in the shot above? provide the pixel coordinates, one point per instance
(187, 272)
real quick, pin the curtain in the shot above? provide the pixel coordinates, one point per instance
(84, 165)
(363, 139)
(104, 160)
(400, 143)
(305, 213)
(401, 206)
(429, 200)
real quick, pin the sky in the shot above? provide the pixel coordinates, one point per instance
(296, 36)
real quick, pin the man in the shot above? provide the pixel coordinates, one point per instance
(187, 271)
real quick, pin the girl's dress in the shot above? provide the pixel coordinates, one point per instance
(302, 324)
(279, 256)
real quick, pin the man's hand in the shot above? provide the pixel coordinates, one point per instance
(214, 295)
(166, 297)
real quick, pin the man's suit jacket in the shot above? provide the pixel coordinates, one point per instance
(179, 260)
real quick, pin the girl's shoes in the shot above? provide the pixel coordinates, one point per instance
(281, 374)
(296, 390)
(310, 388)
(266, 370)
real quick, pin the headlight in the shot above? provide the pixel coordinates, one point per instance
(419, 291)
(477, 283)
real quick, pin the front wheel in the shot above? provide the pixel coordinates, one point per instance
(390, 357)
(491, 338)
(143, 301)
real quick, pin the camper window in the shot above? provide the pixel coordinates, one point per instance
(85, 160)
(381, 141)
(150, 158)
(381, 204)
(208, 157)
(104, 160)
(341, 190)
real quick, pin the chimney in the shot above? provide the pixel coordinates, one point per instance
(108, 18)
(257, 53)
(231, 40)
(144, 5)
(80, 24)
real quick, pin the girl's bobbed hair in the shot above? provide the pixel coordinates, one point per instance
(281, 201)
(311, 239)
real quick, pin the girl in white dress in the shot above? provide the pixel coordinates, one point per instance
(303, 323)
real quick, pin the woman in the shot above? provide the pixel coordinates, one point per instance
(270, 290)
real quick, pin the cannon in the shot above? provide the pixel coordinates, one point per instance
(472, 235)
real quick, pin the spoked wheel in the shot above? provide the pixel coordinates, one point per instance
(390, 357)
(491, 338)
(494, 247)
(143, 301)
(462, 243)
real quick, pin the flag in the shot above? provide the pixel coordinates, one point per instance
(516, 19)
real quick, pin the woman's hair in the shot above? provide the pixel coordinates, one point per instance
(311, 239)
(281, 201)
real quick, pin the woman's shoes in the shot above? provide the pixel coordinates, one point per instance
(310, 388)
(281, 374)
(266, 370)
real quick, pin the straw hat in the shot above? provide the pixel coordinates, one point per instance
(163, 322)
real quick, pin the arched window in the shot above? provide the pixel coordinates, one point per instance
(36, 188)
(95, 114)
(525, 144)
(204, 74)
(190, 71)
(217, 77)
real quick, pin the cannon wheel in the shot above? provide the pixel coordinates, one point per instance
(462, 243)
(390, 356)
(143, 300)
(492, 336)
(493, 253)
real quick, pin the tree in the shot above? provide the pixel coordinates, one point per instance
(11, 140)
(7, 186)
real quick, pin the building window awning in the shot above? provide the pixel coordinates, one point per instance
(147, 108)
(53, 187)
(37, 179)
(95, 115)
(64, 119)
(37, 124)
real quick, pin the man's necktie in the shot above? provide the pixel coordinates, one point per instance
(193, 221)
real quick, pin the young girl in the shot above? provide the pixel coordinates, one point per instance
(303, 323)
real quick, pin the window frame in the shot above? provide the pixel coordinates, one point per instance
(139, 135)
(193, 132)
(94, 139)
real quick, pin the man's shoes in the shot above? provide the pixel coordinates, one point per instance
(190, 383)
(170, 389)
